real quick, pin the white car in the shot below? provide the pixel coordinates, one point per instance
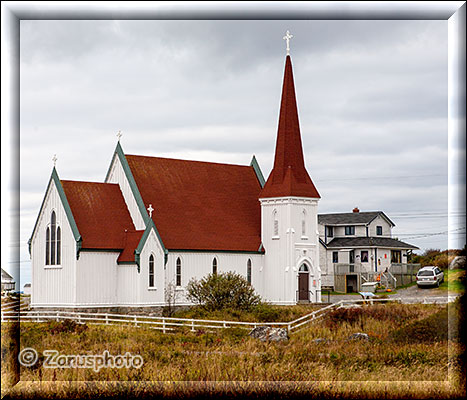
(430, 276)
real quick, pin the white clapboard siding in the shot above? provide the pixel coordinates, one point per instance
(96, 281)
(198, 265)
(53, 284)
(117, 175)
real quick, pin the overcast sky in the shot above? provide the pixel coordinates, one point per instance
(372, 99)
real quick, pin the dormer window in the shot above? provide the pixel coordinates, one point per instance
(53, 242)
(330, 231)
(379, 230)
(350, 230)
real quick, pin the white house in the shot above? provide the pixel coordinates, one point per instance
(8, 282)
(358, 244)
(155, 221)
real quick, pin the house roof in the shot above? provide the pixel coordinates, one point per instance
(356, 218)
(200, 205)
(369, 242)
(100, 213)
(6, 276)
(289, 176)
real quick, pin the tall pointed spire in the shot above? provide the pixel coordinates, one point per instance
(289, 176)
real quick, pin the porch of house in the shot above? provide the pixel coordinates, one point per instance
(348, 278)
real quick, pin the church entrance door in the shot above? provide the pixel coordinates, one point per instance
(303, 283)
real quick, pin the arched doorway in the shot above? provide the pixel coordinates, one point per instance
(303, 283)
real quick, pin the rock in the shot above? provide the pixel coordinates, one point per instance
(266, 333)
(458, 263)
(358, 336)
(320, 340)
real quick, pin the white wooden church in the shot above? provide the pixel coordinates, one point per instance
(159, 221)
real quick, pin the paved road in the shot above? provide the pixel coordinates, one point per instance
(410, 292)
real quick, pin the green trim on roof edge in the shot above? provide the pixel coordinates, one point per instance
(142, 242)
(259, 174)
(71, 220)
(134, 189)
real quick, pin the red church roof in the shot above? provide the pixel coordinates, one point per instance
(131, 241)
(289, 176)
(200, 205)
(100, 213)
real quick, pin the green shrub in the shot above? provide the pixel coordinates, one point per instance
(221, 291)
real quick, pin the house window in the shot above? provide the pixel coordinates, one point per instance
(364, 256)
(248, 271)
(151, 271)
(276, 224)
(178, 274)
(335, 257)
(214, 266)
(53, 242)
(396, 256)
(379, 230)
(350, 230)
(330, 231)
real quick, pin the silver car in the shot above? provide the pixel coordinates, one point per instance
(430, 276)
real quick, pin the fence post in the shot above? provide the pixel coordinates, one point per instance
(163, 325)
(79, 318)
(56, 316)
(136, 322)
(107, 319)
(192, 325)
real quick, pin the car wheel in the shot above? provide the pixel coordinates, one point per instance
(437, 283)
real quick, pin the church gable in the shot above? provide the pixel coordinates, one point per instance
(55, 200)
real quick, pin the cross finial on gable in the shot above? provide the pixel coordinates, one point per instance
(287, 38)
(54, 159)
(119, 135)
(150, 209)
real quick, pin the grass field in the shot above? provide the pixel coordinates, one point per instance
(413, 352)
(454, 280)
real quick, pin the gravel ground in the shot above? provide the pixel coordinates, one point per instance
(410, 292)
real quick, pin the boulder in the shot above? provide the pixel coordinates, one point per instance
(358, 336)
(458, 263)
(266, 333)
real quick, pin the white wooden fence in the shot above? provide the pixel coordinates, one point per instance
(167, 324)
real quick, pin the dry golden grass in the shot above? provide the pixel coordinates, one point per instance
(338, 368)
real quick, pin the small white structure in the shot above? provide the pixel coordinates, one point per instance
(27, 289)
(8, 283)
(157, 221)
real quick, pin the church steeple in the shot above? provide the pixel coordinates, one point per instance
(289, 176)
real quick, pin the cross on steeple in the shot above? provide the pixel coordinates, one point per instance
(54, 159)
(150, 209)
(119, 135)
(287, 38)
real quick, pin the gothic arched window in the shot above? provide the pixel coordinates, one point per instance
(303, 223)
(248, 271)
(151, 271)
(178, 272)
(214, 266)
(276, 223)
(53, 242)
